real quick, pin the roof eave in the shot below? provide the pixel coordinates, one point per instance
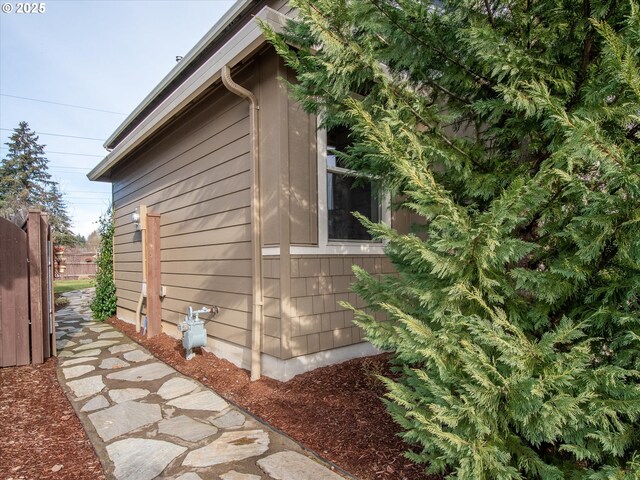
(238, 8)
(245, 42)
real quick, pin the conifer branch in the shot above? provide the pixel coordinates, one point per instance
(480, 78)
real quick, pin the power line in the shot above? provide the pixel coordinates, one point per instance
(59, 135)
(77, 172)
(81, 169)
(63, 104)
(66, 153)
(88, 191)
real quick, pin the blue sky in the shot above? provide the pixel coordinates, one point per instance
(99, 54)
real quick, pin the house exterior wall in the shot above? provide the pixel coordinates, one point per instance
(313, 284)
(318, 284)
(196, 173)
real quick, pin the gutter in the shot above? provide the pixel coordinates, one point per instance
(256, 235)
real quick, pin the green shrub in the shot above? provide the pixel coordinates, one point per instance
(104, 302)
(61, 302)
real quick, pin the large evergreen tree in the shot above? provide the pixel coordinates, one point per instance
(59, 218)
(513, 128)
(25, 183)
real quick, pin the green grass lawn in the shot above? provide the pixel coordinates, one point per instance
(62, 286)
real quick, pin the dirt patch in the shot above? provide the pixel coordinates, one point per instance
(40, 435)
(335, 411)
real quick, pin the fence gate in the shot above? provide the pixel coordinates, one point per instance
(26, 304)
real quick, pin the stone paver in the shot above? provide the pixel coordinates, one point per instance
(65, 344)
(112, 334)
(94, 345)
(229, 447)
(189, 476)
(75, 361)
(289, 465)
(206, 400)
(113, 363)
(140, 458)
(124, 417)
(152, 371)
(232, 419)
(100, 328)
(137, 356)
(121, 348)
(86, 386)
(186, 428)
(96, 403)
(176, 387)
(125, 394)
(147, 421)
(86, 353)
(78, 371)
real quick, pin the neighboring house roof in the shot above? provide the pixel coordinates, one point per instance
(197, 71)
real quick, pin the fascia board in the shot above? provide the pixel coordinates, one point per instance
(241, 45)
(209, 37)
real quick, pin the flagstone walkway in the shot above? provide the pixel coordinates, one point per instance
(148, 421)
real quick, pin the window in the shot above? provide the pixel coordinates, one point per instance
(343, 197)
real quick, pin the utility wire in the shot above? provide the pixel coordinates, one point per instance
(62, 104)
(59, 135)
(69, 167)
(66, 153)
(87, 191)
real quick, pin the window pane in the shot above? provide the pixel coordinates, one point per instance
(342, 199)
(337, 139)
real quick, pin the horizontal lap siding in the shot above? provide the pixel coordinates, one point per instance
(197, 175)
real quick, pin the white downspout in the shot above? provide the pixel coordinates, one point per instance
(256, 231)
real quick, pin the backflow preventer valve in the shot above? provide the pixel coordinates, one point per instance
(193, 332)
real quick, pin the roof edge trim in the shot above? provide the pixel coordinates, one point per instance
(246, 41)
(235, 10)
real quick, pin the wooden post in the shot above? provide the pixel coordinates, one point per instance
(52, 303)
(154, 307)
(44, 282)
(35, 286)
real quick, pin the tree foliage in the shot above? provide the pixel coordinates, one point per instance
(513, 129)
(25, 183)
(104, 302)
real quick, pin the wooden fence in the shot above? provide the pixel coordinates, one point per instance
(27, 323)
(79, 263)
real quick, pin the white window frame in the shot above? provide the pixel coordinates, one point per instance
(342, 246)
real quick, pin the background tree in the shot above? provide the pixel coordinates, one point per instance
(93, 240)
(513, 129)
(58, 217)
(24, 176)
(25, 183)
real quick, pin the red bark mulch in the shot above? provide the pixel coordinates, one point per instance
(335, 411)
(40, 435)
